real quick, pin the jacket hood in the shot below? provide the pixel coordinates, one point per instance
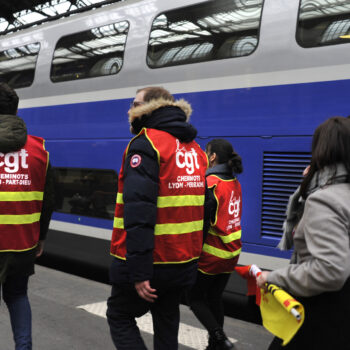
(168, 116)
(13, 133)
(151, 106)
(221, 170)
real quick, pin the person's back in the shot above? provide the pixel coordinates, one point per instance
(158, 227)
(223, 242)
(23, 219)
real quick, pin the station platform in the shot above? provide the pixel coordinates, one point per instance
(69, 313)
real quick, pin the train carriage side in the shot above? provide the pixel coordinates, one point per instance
(262, 74)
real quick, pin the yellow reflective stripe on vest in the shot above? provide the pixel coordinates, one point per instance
(19, 219)
(223, 254)
(21, 196)
(172, 201)
(167, 229)
(118, 223)
(229, 238)
(177, 229)
(179, 201)
(120, 198)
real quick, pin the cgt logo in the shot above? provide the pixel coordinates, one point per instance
(233, 208)
(186, 159)
(12, 161)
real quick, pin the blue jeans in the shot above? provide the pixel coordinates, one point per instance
(15, 296)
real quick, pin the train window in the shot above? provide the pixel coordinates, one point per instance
(92, 53)
(207, 31)
(88, 192)
(323, 22)
(17, 65)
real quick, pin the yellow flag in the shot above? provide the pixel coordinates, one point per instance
(282, 315)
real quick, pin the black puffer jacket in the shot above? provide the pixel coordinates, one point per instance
(140, 203)
(13, 136)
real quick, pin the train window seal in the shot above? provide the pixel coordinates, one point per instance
(33, 69)
(318, 44)
(258, 31)
(70, 79)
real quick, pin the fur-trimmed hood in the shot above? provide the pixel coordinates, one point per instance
(165, 115)
(151, 106)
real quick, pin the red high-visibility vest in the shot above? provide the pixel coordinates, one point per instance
(22, 183)
(180, 205)
(223, 243)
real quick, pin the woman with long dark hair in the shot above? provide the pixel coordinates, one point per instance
(223, 242)
(319, 275)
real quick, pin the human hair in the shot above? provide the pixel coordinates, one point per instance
(8, 100)
(225, 154)
(155, 93)
(330, 145)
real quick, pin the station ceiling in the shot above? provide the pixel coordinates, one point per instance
(20, 14)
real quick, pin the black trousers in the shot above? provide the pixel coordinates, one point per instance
(205, 299)
(125, 304)
(326, 324)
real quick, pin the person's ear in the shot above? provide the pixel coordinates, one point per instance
(212, 158)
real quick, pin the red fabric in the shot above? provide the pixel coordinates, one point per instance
(182, 172)
(244, 272)
(22, 171)
(228, 220)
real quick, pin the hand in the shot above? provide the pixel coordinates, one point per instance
(145, 291)
(39, 248)
(261, 280)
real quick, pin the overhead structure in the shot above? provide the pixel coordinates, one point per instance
(21, 14)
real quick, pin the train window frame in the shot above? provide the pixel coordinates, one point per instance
(85, 31)
(34, 67)
(314, 46)
(79, 206)
(200, 61)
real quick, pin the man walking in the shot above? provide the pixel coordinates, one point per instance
(26, 205)
(158, 226)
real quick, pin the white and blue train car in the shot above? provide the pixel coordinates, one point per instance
(261, 73)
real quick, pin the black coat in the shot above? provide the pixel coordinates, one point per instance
(140, 202)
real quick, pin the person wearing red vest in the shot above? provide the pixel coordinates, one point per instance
(158, 227)
(223, 242)
(26, 205)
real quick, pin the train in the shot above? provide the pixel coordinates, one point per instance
(261, 73)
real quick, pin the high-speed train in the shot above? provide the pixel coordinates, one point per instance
(260, 73)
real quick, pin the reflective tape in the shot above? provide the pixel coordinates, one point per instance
(223, 254)
(120, 198)
(19, 219)
(177, 229)
(180, 201)
(167, 229)
(229, 238)
(173, 201)
(118, 223)
(21, 196)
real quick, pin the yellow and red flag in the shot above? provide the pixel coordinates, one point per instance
(281, 314)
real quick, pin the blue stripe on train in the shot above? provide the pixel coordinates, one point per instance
(272, 110)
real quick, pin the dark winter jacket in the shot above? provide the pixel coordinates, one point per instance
(13, 136)
(171, 117)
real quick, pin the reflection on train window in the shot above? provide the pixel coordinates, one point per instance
(208, 31)
(17, 65)
(88, 192)
(92, 53)
(323, 22)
